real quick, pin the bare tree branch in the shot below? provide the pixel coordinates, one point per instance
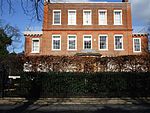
(15, 35)
(11, 9)
(32, 8)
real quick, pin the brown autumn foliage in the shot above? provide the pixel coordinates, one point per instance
(14, 64)
(132, 63)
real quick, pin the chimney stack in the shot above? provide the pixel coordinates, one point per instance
(124, 0)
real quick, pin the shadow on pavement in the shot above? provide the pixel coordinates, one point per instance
(97, 109)
(34, 95)
(106, 109)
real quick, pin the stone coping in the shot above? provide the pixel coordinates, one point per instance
(102, 101)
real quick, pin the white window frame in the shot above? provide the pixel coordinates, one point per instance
(100, 23)
(53, 17)
(115, 18)
(84, 23)
(75, 43)
(84, 40)
(134, 45)
(115, 42)
(106, 42)
(69, 23)
(32, 45)
(52, 42)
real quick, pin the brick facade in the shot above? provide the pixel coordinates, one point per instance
(80, 30)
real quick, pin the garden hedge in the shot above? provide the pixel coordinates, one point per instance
(82, 85)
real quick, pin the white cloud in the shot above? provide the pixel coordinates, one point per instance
(141, 10)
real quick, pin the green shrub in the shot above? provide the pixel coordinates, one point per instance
(84, 85)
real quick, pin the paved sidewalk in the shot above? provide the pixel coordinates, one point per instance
(75, 105)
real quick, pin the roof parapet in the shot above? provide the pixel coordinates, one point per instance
(140, 34)
(84, 1)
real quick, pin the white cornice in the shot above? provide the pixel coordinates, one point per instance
(140, 34)
(33, 33)
(88, 2)
(66, 1)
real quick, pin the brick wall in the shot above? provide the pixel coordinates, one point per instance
(79, 30)
(94, 7)
(144, 42)
(28, 44)
(46, 43)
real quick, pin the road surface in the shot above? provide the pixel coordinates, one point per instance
(32, 108)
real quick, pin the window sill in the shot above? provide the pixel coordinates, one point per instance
(118, 24)
(56, 50)
(137, 51)
(72, 50)
(72, 24)
(87, 24)
(35, 52)
(56, 24)
(102, 24)
(103, 49)
(119, 49)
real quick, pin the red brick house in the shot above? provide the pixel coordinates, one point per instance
(97, 27)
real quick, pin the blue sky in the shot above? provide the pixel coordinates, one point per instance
(140, 15)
